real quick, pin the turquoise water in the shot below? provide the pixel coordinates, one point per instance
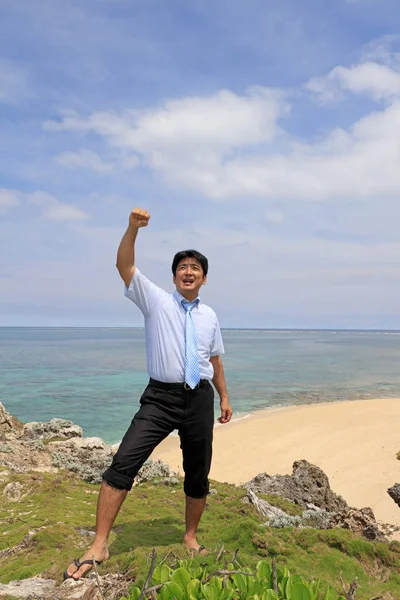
(95, 376)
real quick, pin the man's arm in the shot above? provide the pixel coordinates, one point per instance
(220, 385)
(126, 251)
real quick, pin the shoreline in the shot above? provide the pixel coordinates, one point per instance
(354, 442)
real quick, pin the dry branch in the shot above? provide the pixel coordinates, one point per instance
(274, 577)
(145, 589)
(97, 578)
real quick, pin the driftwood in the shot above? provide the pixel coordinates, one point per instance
(97, 578)
(145, 588)
(274, 577)
(350, 594)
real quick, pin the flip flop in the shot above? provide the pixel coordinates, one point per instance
(192, 551)
(78, 565)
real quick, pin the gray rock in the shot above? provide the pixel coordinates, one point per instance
(276, 517)
(55, 428)
(12, 491)
(88, 457)
(264, 507)
(34, 587)
(6, 449)
(318, 518)
(10, 427)
(307, 484)
(154, 469)
(394, 493)
(360, 521)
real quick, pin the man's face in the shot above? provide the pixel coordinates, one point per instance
(189, 277)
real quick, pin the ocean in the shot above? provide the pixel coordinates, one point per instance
(95, 376)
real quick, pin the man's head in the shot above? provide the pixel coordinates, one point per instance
(189, 269)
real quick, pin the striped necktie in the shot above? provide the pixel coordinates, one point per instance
(192, 368)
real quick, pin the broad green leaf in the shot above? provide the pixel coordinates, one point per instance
(171, 591)
(292, 580)
(161, 574)
(286, 572)
(226, 594)
(217, 583)
(279, 575)
(270, 595)
(196, 572)
(300, 591)
(135, 594)
(181, 577)
(240, 581)
(156, 576)
(315, 588)
(330, 594)
(211, 592)
(193, 587)
(282, 585)
(263, 570)
(255, 587)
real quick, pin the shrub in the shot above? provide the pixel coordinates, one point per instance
(189, 581)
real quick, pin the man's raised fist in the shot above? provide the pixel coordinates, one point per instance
(139, 218)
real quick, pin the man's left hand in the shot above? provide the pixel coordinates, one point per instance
(226, 411)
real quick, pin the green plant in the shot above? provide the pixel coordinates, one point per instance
(189, 581)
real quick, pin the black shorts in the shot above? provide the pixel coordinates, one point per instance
(162, 410)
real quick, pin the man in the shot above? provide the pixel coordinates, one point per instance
(183, 346)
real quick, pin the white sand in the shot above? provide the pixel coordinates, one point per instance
(355, 443)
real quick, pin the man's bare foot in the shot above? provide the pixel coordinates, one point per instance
(192, 545)
(100, 554)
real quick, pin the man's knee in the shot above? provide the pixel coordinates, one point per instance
(196, 489)
(117, 480)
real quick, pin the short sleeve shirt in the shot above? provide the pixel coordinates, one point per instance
(165, 330)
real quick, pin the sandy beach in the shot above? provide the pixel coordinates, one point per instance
(355, 443)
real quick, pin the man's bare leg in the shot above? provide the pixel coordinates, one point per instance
(108, 505)
(194, 510)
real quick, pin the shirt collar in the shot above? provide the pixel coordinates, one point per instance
(178, 297)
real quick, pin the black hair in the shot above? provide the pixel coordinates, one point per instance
(190, 254)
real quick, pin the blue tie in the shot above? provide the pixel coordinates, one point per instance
(192, 369)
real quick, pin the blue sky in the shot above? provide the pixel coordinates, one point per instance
(264, 134)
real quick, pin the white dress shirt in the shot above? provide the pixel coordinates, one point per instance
(165, 331)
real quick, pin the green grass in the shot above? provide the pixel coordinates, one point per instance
(59, 505)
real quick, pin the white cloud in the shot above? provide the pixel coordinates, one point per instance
(226, 145)
(376, 80)
(273, 216)
(55, 210)
(224, 120)
(8, 199)
(84, 159)
(50, 207)
(13, 83)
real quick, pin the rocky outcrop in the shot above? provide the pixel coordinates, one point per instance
(10, 427)
(58, 444)
(55, 428)
(307, 485)
(394, 493)
(34, 587)
(88, 457)
(112, 586)
(362, 522)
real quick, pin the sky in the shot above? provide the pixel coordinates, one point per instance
(266, 135)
